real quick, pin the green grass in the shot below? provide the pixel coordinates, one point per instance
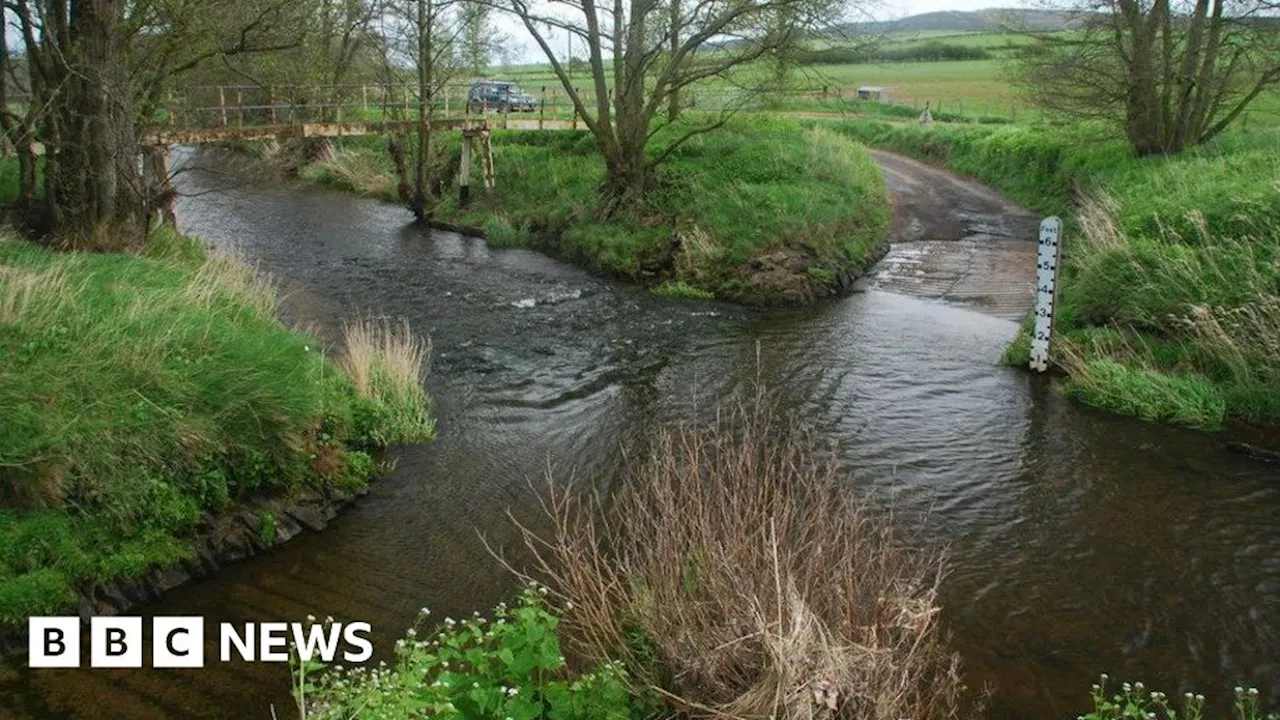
(1190, 400)
(500, 232)
(1169, 306)
(806, 204)
(140, 394)
(677, 289)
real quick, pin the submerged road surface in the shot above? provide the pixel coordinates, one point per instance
(956, 240)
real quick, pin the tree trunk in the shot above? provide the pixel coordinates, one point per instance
(627, 180)
(95, 190)
(1142, 101)
(423, 199)
(673, 97)
(404, 190)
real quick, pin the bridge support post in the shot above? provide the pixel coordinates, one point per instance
(160, 192)
(486, 158)
(464, 172)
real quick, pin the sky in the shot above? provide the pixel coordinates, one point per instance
(525, 50)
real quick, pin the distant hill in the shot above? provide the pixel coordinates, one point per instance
(971, 21)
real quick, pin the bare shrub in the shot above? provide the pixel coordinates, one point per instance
(734, 576)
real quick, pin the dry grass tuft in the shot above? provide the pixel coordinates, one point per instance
(733, 575)
(226, 272)
(382, 357)
(1246, 338)
(26, 292)
(1099, 229)
(351, 169)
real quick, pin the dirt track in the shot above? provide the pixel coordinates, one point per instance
(956, 240)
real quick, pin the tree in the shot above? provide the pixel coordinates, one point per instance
(83, 110)
(476, 43)
(1171, 73)
(425, 34)
(90, 71)
(336, 42)
(656, 49)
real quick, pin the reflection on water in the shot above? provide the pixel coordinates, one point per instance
(1079, 542)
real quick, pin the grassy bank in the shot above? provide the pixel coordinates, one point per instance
(1169, 307)
(143, 394)
(761, 211)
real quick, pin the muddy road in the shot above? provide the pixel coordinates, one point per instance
(956, 240)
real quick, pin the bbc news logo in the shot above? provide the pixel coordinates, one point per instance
(178, 642)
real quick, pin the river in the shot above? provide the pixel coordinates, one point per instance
(1079, 542)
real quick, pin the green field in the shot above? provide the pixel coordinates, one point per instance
(973, 88)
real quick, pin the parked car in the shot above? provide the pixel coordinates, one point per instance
(499, 95)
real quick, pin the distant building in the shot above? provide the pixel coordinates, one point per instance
(871, 92)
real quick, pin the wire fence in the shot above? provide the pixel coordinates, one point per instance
(541, 96)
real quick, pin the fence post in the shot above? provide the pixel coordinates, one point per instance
(240, 107)
(222, 104)
(542, 106)
(364, 97)
(271, 104)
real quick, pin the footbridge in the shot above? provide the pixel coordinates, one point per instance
(216, 113)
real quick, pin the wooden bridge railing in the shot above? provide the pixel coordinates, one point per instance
(227, 106)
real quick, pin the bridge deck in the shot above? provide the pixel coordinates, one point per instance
(175, 136)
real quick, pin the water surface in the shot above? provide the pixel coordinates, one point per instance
(1079, 542)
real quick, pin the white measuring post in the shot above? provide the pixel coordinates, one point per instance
(1048, 258)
